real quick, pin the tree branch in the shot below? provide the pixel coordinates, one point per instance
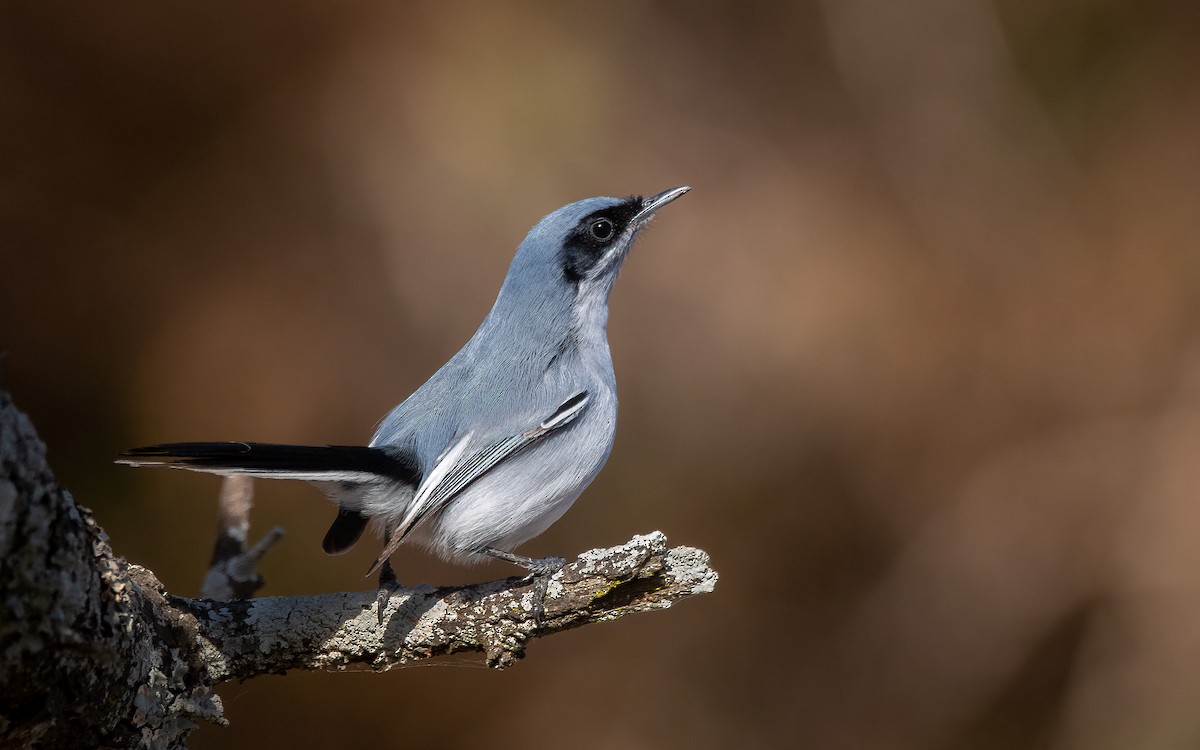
(336, 631)
(135, 666)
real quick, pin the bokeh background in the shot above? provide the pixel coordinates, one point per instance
(917, 361)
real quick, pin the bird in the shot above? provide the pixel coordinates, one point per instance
(499, 443)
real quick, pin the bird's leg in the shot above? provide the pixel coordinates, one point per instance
(540, 571)
(388, 584)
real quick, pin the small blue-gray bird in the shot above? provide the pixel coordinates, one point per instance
(499, 443)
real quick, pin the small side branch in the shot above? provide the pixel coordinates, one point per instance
(233, 572)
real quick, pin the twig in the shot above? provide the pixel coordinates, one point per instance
(233, 572)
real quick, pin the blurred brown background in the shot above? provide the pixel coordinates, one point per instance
(917, 361)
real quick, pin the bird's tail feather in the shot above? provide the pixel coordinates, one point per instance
(314, 463)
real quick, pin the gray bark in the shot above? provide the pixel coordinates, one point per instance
(95, 653)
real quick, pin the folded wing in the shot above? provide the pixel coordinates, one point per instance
(458, 468)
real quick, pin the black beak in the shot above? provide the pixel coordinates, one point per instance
(653, 204)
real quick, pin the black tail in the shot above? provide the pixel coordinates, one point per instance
(325, 463)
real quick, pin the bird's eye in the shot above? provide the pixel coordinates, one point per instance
(602, 229)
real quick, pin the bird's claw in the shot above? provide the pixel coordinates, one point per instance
(540, 572)
(388, 585)
(544, 567)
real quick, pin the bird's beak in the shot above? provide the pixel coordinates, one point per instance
(653, 204)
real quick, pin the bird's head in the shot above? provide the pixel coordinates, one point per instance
(575, 253)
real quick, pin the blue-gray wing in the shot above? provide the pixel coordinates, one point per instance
(458, 468)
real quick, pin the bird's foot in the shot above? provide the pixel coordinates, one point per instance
(544, 567)
(541, 570)
(541, 582)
